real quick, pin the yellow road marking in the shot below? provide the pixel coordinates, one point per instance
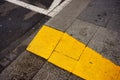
(66, 52)
(70, 47)
(62, 61)
(93, 66)
(45, 41)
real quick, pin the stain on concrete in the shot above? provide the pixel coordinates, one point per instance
(99, 12)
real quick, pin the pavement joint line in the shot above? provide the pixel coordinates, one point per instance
(92, 36)
(51, 40)
(40, 68)
(55, 47)
(90, 62)
(54, 9)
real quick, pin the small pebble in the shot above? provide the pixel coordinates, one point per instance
(10, 19)
(1, 25)
(10, 31)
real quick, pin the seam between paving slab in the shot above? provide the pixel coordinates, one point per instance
(68, 63)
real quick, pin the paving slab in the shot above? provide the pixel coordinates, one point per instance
(107, 42)
(23, 68)
(99, 12)
(82, 31)
(114, 23)
(51, 72)
(64, 19)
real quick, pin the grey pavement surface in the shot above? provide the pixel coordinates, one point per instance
(51, 72)
(23, 68)
(67, 16)
(99, 12)
(82, 31)
(107, 42)
(93, 22)
(114, 23)
(106, 15)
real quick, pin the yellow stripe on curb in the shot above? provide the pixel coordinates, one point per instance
(62, 61)
(66, 52)
(93, 66)
(70, 47)
(45, 41)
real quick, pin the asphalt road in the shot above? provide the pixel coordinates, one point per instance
(40, 3)
(15, 21)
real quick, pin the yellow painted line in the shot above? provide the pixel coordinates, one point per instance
(70, 47)
(45, 41)
(118, 78)
(62, 61)
(93, 66)
(66, 52)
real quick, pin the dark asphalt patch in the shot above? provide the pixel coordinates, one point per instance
(40, 3)
(1, 68)
(2, 2)
(15, 22)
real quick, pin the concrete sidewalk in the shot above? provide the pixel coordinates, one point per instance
(95, 23)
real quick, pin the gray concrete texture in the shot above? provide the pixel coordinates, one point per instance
(51, 72)
(82, 31)
(107, 43)
(23, 68)
(64, 19)
(100, 11)
(105, 38)
(114, 23)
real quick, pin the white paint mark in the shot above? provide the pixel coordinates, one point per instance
(59, 8)
(29, 6)
(54, 9)
(54, 4)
